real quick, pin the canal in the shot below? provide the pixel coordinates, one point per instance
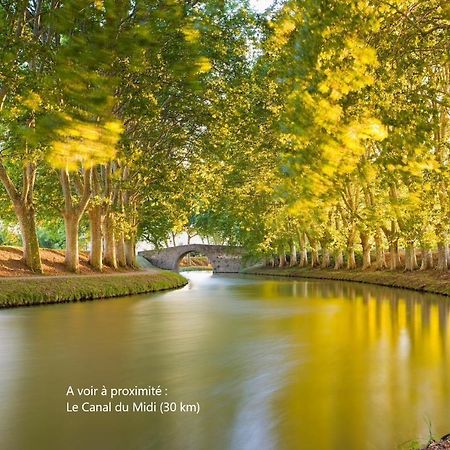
(272, 364)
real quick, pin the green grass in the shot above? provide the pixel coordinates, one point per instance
(424, 281)
(80, 288)
(194, 268)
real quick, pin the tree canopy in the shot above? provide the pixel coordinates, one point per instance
(317, 128)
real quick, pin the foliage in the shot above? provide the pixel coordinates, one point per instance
(320, 124)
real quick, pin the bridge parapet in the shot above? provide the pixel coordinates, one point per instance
(223, 258)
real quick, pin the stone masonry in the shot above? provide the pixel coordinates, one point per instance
(223, 258)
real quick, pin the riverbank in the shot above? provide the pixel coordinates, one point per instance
(431, 281)
(12, 264)
(28, 291)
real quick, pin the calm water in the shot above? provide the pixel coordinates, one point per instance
(274, 364)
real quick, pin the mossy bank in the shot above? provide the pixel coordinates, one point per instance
(431, 281)
(61, 289)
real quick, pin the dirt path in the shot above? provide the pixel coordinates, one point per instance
(13, 268)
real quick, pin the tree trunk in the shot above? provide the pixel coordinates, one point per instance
(315, 261)
(351, 261)
(366, 247)
(427, 259)
(379, 251)
(293, 259)
(110, 257)
(338, 260)
(325, 257)
(303, 250)
(414, 258)
(394, 255)
(410, 257)
(95, 225)
(392, 237)
(25, 212)
(188, 256)
(72, 257)
(130, 251)
(121, 251)
(31, 255)
(72, 214)
(282, 258)
(442, 250)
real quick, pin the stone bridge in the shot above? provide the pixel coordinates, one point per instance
(223, 258)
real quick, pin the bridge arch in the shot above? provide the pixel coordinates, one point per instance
(223, 258)
(180, 258)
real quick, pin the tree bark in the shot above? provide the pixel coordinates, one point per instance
(72, 214)
(282, 259)
(129, 203)
(188, 256)
(315, 261)
(25, 212)
(325, 257)
(303, 250)
(72, 260)
(293, 258)
(379, 251)
(27, 221)
(366, 247)
(392, 237)
(410, 257)
(442, 250)
(109, 238)
(110, 256)
(120, 250)
(394, 255)
(130, 251)
(427, 259)
(338, 260)
(351, 261)
(96, 213)
(96, 228)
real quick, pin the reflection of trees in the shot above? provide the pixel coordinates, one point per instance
(364, 353)
(417, 311)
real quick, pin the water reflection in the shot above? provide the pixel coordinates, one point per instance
(275, 364)
(381, 361)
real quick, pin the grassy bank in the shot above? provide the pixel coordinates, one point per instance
(40, 290)
(424, 281)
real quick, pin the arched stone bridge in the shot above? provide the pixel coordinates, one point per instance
(223, 258)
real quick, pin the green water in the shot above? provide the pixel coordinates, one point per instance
(273, 364)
